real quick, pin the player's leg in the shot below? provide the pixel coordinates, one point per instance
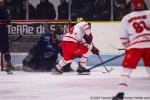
(82, 65)
(29, 62)
(148, 70)
(146, 59)
(31, 54)
(83, 52)
(59, 67)
(130, 62)
(9, 66)
(84, 59)
(68, 49)
(5, 50)
(123, 83)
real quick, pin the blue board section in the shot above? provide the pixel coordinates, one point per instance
(92, 60)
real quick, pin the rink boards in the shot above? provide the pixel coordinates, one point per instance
(92, 59)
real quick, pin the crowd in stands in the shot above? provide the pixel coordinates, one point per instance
(97, 10)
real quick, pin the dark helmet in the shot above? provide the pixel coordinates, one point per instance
(59, 32)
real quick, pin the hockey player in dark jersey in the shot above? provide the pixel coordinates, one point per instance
(4, 41)
(43, 56)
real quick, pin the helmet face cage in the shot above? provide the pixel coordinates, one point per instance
(137, 4)
(59, 37)
(58, 33)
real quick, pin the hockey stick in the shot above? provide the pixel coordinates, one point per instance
(108, 70)
(2, 59)
(109, 60)
(116, 48)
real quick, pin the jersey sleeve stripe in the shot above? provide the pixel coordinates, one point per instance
(124, 38)
(125, 75)
(123, 84)
(141, 36)
(126, 42)
(139, 42)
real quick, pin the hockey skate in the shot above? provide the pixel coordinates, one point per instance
(119, 96)
(27, 66)
(83, 71)
(9, 69)
(56, 71)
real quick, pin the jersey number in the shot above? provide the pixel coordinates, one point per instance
(139, 26)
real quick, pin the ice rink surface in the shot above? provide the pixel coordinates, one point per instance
(70, 86)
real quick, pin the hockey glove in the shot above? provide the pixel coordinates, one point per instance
(95, 51)
(88, 38)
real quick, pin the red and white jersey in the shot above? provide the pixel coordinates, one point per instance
(77, 32)
(135, 30)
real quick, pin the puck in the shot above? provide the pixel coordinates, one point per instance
(104, 72)
(111, 69)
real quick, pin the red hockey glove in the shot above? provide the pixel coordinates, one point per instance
(88, 38)
(95, 50)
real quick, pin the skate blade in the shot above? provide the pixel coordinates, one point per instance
(83, 73)
(56, 73)
(10, 72)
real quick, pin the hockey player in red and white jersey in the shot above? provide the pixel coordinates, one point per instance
(73, 45)
(135, 36)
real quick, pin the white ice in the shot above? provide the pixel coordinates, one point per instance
(70, 86)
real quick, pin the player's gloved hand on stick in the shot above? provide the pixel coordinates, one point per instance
(95, 50)
(88, 38)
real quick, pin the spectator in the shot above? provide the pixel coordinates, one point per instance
(63, 10)
(101, 10)
(13, 8)
(45, 10)
(31, 10)
(86, 9)
(4, 44)
(81, 8)
(75, 7)
(119, 9)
